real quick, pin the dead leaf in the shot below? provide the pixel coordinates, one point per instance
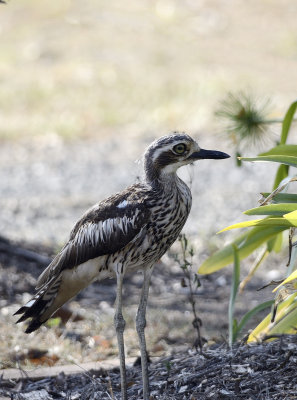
(35, 356)
(102, 342)
(45, 360)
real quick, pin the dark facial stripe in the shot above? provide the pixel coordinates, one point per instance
(166, 158)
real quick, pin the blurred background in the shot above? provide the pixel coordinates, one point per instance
(85, 86)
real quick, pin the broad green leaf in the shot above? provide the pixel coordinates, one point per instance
(288, 323)
(261, 330)
(246, 243)
(282, 173)
(287, 222)
(282, 197)
(275, 243)
(291, 217)
(272, 209)
(282, 150)
(280, 325)
(287, 122)
(287, 160)
(244, 224)
(283, 170)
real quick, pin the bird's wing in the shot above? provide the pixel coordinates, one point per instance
(104, 229)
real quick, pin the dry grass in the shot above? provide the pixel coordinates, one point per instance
(92, 339)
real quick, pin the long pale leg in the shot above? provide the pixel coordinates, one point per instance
(119, 324)
(140, 325)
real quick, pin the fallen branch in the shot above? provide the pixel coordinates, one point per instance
(9, 248)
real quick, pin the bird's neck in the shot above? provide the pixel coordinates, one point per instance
(162, 180)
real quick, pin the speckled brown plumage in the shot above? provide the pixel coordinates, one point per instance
(128, 231)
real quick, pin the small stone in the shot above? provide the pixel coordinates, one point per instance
(183, 389)
(36, 395)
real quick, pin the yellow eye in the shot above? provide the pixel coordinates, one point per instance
(179, 148)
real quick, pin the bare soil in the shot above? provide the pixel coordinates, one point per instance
(263, 371)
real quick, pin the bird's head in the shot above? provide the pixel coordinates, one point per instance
(165, 155)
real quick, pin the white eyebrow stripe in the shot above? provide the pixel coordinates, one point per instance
(160, 150)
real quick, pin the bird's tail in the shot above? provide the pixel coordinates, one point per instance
(39, 307)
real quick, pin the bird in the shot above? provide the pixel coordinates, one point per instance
(127, 232)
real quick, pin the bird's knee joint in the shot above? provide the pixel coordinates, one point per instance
(140, 324)
(119, 322)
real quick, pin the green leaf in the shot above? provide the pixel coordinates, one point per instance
(287, 122)
(282, 173)
(253, 312)
(275, 243)
(291, 217)
(288, 222)
(282, 197)
(282, 150)
(272, 209)
(285, 322)
(246, 244)
(288, 323)
(287, 160)
(283, 170)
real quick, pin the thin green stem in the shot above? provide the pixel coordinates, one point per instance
(276, 121)
(233, 294)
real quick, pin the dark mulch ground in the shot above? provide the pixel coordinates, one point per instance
(264, 371)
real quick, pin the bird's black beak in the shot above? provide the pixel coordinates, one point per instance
(213, 154)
